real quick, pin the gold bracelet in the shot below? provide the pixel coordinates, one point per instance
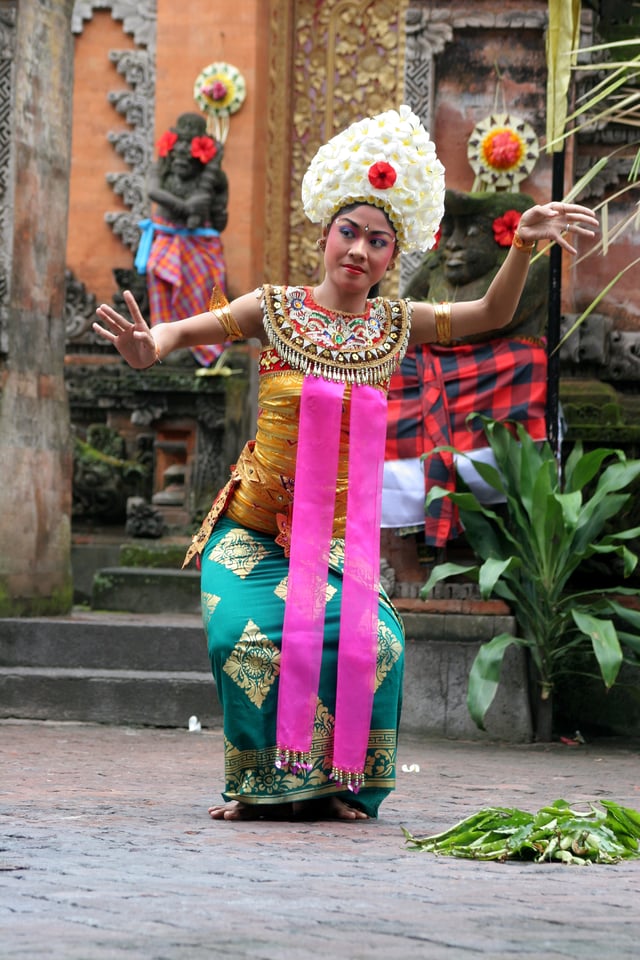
(443, 322)
(219, 307)
(521, 244)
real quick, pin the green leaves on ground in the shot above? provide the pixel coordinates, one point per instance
(555, 833)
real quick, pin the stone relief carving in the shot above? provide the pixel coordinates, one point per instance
(79, 310)
(7, 47)
(136, 105)
(597, 349)
(134, 146)
(138, 17)
(348, 60)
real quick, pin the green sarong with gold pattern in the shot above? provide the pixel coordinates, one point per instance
(244, 584)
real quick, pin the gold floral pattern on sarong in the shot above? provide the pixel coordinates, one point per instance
(381, 756)
(281, 590)
(209, 602)
(251, 774)
(336, 553)
(254, 664)
(389, 652)
(239, 552)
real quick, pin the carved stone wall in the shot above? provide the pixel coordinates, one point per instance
(7, 47)
(136, 105)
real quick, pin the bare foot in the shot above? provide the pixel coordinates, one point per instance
(236, 810)
(331, 808)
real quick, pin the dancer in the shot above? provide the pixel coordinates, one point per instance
(306, 650)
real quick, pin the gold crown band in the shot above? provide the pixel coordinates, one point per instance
(443, 322)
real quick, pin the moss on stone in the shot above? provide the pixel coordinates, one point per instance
(59, 602)
(163, 556)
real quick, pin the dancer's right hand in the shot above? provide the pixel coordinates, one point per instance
(132, 338)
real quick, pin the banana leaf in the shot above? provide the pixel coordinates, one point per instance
(555, 833)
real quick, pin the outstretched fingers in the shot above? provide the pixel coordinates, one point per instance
(131, 338)
(557, 221)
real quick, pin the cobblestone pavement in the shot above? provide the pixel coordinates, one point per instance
(106, 851)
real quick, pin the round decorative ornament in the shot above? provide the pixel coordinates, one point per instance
(502, 151)
(219, 91)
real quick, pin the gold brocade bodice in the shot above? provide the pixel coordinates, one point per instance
(304, 339)
(266, 469)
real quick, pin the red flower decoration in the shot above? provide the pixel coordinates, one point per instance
(216, 90)
(437, 239)
(505, 226)
(503, 149)
(382, 175)
(166, 143)
(203, 149)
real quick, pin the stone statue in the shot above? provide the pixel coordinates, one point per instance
(187, 182)
(180, 248)
(501, 374)
(470, 252)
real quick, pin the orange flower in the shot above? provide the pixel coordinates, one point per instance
(502, 149)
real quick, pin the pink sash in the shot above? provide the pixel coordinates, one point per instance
(311, 532)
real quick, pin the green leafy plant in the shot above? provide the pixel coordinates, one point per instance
(555, 832)
(530, 550)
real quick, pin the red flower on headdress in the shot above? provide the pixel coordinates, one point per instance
(505, 226)
(166, 143)
(203, 149)
(382, 175)
(437, 239)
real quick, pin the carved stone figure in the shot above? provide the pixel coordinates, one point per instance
(500, 374)
(180, 247)
(143, 519)
(187, 182)
(476, 234)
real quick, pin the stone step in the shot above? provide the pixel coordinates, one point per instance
(107, 668)
(143, 589)
(106, 641)
(137, 697)
(153, 669)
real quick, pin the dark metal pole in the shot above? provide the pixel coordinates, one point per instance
(553, 330)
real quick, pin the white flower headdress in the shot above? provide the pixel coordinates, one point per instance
(388, 161)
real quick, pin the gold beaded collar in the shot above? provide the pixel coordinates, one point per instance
(354, 348)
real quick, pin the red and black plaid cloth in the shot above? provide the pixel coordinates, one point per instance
(435, 390)
(181, 272)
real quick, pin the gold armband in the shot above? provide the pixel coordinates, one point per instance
(219, 307)
(443, 322)
(521, 244)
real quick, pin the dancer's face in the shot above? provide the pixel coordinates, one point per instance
(360, 246)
